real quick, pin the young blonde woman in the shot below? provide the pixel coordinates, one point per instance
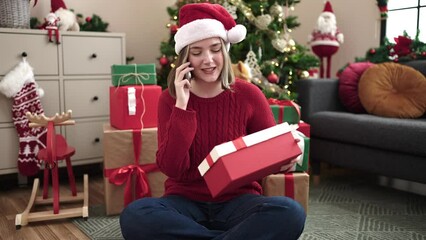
(195, 114)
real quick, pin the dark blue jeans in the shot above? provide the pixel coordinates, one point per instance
(245, 217)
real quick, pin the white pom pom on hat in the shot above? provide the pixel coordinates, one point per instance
(199, 21)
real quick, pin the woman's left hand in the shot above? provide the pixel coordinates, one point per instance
(288, 166)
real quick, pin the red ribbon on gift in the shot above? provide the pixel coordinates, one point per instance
(289, 185)
(282, 104)
(238, 144)
(124, 175)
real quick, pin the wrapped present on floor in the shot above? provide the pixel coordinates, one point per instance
(293, 185)
(134, 107)
(130, 171)
(285, 111)
(133, 74)
(235, 163)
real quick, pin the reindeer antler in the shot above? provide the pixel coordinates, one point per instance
(42, 120)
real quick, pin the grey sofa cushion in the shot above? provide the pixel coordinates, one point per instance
(419, 65)
(390, 134)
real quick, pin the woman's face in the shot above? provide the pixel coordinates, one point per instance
(206, 58)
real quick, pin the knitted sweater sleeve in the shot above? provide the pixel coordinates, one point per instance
(176, 131)
(262, 114)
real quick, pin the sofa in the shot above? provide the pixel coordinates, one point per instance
(386, 146)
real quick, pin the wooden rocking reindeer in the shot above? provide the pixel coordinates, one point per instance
(56, 149)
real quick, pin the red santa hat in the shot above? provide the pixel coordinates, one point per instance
(200, 21)
(327, 7)
(328, 10)
(56, 4)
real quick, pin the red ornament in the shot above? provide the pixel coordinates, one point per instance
(173, 28)
(273, 78)
(372, 51)
(88, 19)
(423, 54)
(164, 60)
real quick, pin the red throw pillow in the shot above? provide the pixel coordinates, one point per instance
(348, 86)
(393, 90)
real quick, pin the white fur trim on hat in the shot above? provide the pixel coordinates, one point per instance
(206, 28)
(15, 80)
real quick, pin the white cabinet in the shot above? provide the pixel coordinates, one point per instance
(74, 75)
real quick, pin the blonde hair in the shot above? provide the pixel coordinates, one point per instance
(227, 75)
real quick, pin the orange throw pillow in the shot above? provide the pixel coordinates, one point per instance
(393, 90)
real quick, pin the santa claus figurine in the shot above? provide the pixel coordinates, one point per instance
(59, 19)
(51, 25)
(325, 40)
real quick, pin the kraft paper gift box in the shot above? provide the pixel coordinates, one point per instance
(293, 185)
(134, 107)
(249, 158)
(133, 74)
(285, 111)
(127, 177)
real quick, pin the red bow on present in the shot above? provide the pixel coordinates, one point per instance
(123, 175)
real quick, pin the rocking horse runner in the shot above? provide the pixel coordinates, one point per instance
(56, 149)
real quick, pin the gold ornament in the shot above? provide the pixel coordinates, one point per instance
(276, 10)
(279, 44)
(305, 74)
(262, 22)
(232, 10)
(244, 9)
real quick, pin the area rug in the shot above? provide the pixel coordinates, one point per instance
(341, 208)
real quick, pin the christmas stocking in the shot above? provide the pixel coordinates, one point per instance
(19, 84)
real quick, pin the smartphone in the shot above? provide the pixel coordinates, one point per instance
(188, 76)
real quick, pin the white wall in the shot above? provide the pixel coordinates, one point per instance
(144, 22)
(357, 20)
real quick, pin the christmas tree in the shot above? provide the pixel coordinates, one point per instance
(275, 60)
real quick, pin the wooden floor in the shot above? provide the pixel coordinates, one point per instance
(14, 199)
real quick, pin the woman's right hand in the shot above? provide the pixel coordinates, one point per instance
(182, 85)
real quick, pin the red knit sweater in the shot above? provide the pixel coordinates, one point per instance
(185, 137)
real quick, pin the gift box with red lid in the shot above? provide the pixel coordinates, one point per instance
(235, 163)
(292, 185)
(134, 107)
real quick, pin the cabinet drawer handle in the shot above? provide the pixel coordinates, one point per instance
(97, 140)
(24, 54)
(94, 55)
(95, 98)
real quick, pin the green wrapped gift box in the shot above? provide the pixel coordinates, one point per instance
(133, 74)
(285, 111)
(304, 164)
